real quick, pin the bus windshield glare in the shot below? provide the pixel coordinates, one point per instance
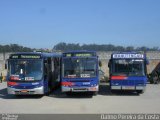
(129, 67)
(25, 70)
(79, 67)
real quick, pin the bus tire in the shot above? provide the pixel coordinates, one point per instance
(140, 91)
(112, 91)
(68, 93)
(95, 93)
(48, 92)
(151, 81)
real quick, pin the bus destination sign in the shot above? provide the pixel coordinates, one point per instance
(79, 54)
(23, 56)
(128, 56)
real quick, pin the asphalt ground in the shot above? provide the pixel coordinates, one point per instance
(104, 103)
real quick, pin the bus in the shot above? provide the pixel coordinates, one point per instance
(33, 73)
(80, 72)
(128, 71)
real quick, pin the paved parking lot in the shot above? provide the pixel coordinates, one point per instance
(104, 102)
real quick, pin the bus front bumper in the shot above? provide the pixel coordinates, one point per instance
(128, 87)
(35, 91)
(80, 89)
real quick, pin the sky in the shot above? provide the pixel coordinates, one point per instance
(45, 23)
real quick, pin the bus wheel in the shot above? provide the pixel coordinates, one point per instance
(17, 96)
(48, 92)
(113, 91)
(95, 93)
(151, 81)
(140, 91)
(68, 93)
(158, 81)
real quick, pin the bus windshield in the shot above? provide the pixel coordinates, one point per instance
(79, 67)
(25, 70)
(129, 67)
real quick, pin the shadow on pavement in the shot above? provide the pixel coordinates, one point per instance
(103, 90)
(58, 94)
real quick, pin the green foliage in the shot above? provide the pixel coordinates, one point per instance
(65, 47)
(106, 47)
(72, 46)
(14, 48)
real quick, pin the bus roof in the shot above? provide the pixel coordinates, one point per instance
(80, 51)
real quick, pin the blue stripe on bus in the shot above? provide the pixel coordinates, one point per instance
(30, 85)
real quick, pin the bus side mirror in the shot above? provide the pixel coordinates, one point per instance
(6, 64)
(109, 63)
(45, 70)
(100, 64)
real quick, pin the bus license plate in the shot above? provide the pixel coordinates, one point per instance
(128, 87)
(24, 91)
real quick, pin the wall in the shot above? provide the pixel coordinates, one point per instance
(3, 58)
(154, 59)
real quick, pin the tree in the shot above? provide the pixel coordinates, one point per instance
(130, 48)
(14, 48)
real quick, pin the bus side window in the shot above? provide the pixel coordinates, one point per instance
(45, 68)
(49, 65)
(56, 66)
(6, 64)
(52, 65)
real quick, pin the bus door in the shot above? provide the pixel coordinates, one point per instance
(47, 75)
